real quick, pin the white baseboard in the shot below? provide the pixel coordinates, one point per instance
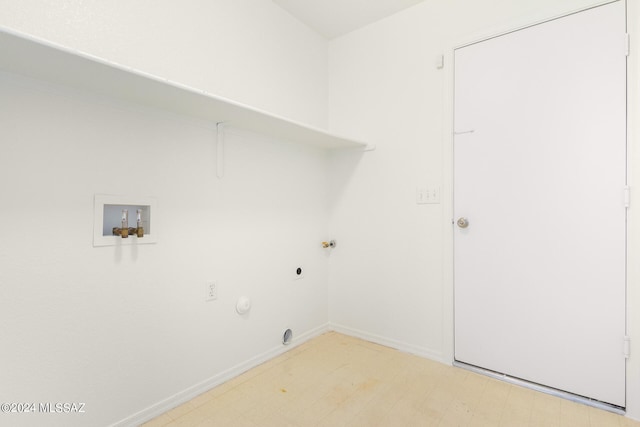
(197, 389)
(388, 342)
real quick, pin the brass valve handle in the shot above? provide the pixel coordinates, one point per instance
(125, 232)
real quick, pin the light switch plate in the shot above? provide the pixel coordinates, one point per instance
(427, 195)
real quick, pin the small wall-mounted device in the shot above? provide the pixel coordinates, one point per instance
(329, 244)
(111, 220)
(124, 230)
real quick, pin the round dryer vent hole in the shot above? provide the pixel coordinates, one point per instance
(286, 338)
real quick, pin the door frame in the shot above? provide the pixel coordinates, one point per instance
(633, 158)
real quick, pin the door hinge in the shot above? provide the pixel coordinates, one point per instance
(627, 346)
(627, 44)
(627, 196)
(220, 150)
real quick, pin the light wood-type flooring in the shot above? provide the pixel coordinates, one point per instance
(336, 380)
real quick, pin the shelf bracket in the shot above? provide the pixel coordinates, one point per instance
(220, 150)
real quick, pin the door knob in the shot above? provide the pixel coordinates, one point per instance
(463, 222)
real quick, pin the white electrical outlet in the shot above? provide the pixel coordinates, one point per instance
(212, 291)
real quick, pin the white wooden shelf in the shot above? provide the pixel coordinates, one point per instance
(29, 56)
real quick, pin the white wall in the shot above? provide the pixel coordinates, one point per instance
(122, 328)
(250, 51)
(393, 279)
(127, 329)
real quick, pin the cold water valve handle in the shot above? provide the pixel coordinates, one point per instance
(139, 228)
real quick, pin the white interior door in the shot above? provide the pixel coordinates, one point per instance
(539, 172)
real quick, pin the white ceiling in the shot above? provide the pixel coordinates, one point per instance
(333, 18)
